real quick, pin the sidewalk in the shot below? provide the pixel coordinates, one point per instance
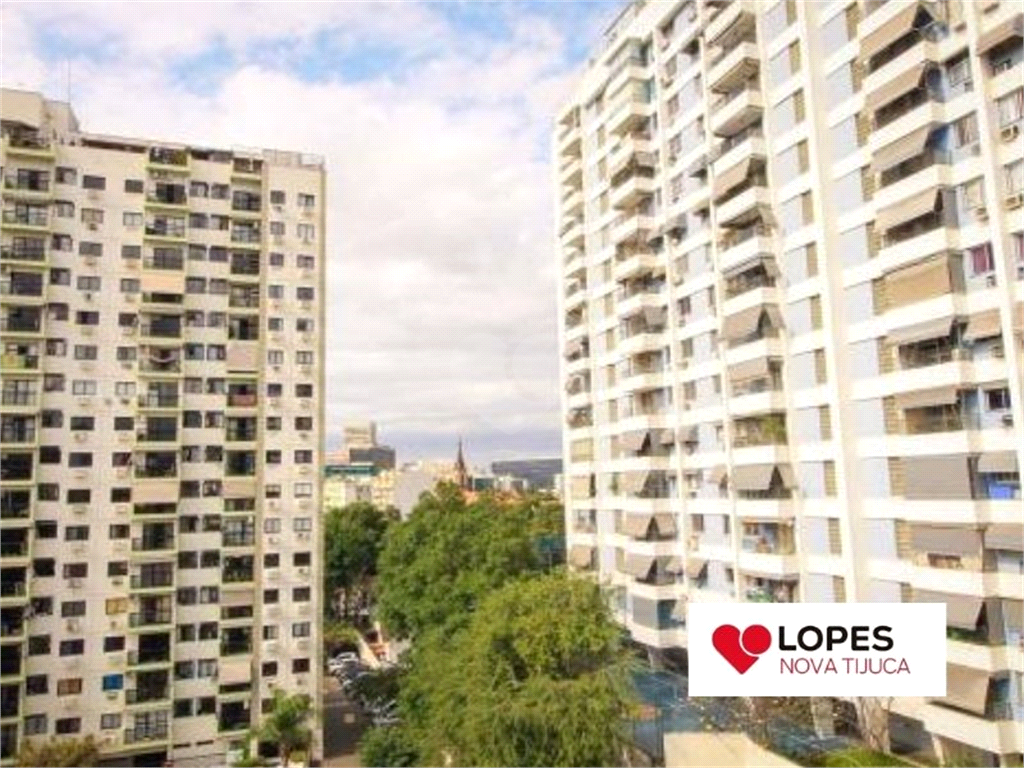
(343, 725)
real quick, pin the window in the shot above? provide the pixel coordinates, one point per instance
(305, 262)
(275, 357)
(272, 560)
(965, 131)
(981, 259)
(92, 216)
(35, 725)
(72, 609)
(268, 669)
(85, 352)
(132, 219)
(303, 457)
(37, 685)
(129, 285)
(301, 594)
(46, 529)
(116, 605)
(90, 249)
(76, 533)
(117, 568)
(301, 559)
(277, 228)
(1010, 108)
(94, 182)
(306, 201)
(302, 491)
(304, 293)
(277, 197)
(64, 175)
(79, 459)
(39, 645)
(300, 629)
(1013, 178)
(119, 531)
(998, 399)
(275, 291)
(306, 232)
(113, 643)
(110, 721)
(304, 357)
(75, 570)
(49, 454)
(52, 419)
(131, 251)
(60, 276)
(63, 209)
(72, 647)
(120, 495)
(66, 725)
(299, 666)
(70, 686)
(134, 186)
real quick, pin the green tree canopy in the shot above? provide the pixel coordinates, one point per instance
(287, 724)
(540, 676)
(59, 752)
(437, 565)
(353, 538)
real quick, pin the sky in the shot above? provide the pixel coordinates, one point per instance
(435, 121)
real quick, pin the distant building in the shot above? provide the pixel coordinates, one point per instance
(381, 456)
(359, 434)
(409, 485)
(538, 474)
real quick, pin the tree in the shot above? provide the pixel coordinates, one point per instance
(287, 724)
(353, 537)
(59, 752)
(437, 565)
(538, 676)
(385, 747)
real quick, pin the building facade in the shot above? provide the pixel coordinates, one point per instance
(791, 240)
(162, 428)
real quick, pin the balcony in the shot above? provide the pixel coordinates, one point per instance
(18, 362)
(932, 420)
(157, 469)
(28, 144)
(735, 66)
(154, 543)
(28, 250)
(21, 284)
(150, 618)
(763, 590)
(159, 400)
(169, 159)
(932, 32)
(31, 184)
(169, 229)
(246, 236)
(161, 330)
(246, 202)
(912, 166)
(22, 323)
(242, 399)
(31, 218)
(748, 433)
(146, 734)
(736, 110)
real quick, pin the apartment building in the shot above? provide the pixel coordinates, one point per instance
(791, 241)
(162, 426)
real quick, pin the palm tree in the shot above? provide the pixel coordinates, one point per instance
(286, 725)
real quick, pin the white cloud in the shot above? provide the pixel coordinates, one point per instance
(440, 232)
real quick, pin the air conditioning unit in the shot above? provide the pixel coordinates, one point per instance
(91, 261)
(273, 540)
(111, 695)
(1015, 201)
(1007, 419)
(131, 298)
(990, 281)
(93, 194)
(981, 213)
(73, 625)
(303, 537)
(81, 437)
(93, 226)
(1010, 132)
(303, 571)
(75, 582)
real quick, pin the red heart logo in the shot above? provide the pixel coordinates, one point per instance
(741, 651)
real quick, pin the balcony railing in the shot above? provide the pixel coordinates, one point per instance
(21, 324)
(27, 185)
(747, 282)
(12, 589)
(914, 165)
(23, 253)
(33, 218)
(19, 362)
(740, 236)
(157, 471)
(930, 423)
(152, 543)
(152, 400)
(149, 618)
(239, 400)
(244, 236)
(155, 733)
(932, 32)
(922, 358)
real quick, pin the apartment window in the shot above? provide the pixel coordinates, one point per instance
(53, 382)
(66, 725)
(65, 175)
(273, 457)
(303, 524)
(90, 249)
(306, 232)
(305, 262)
(134, 186)
(795, 213)
(301, 594)
(82, 387)
(272, 525)
(60, 276)
(131, 251)
(110, 721)
(1013, 178)
(56, 348)
(275, 357)
(301, 629)
(46, 529)
(304, 293)
(998, 399)
(303, 457)
(94, 182)
(120, 495)
(86, 351)
(63, 209)
(270, 630)
(277, 197)
(277, 228)
(271, 596)
(1010, 108)
(304, 357)
(35, 725)
(78, 459)
(981, 260)
(83, 423)
(275, 291)
(113, 643)
(87, 318)
(51, 419)
(273, 423)
(75, 570)
(49, 454)
(76, 533)
(788, 113)
(117, 568)
(70, 686)
(57, 312)
(119, 531)
(306, 201)
(303, 423)
(48, 492)
(62, 243)
(72, 647)
(39, 645)
(304, 324)
(129, 285)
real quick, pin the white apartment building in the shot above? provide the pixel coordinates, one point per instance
(791, 240)
(162, 427)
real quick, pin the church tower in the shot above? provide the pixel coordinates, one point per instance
(461, 473)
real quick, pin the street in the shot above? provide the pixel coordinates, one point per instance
(343, 725)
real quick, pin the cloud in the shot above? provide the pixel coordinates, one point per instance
(441, 263)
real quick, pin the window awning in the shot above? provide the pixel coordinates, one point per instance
(717, 474)
(907, 210)
(936, 477)
(668, 437)
(1013, 614)
(749, 370)
(631, 483)
(743, 323)
(730, 178)
(903, 148)
(892, 89)
(237, 597)
(891, 31)
(1006, 536)
(753, 477)
(1012, 27)
(922, 398)
(671, 564)
(666, 523)
(962, 611)
(574, 347)
(929, 329)
(761, 259)
(918, 282)
(699, 165)
(945, 539)
(690, 434)
(639, 565)
(581, 556)
(754, 573)
(695, 567)
(580, 487)
(233, 672)
(966, 688)
(631, 442)
(679, 609)
(637, 525)
(653, 315)
(998, 461)
(983, 325)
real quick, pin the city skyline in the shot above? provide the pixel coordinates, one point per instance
(430, 330)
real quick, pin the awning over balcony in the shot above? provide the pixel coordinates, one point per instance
(672, 564)
(575, 346)
(892, 89)
(731, 178)
(666, 523)
(945, 539)
(237, 597)
(653, 315)
(580, 487)
(912, 208)
(902, 149)
(749, 370)
(717, 474)
(966, 688)
(983, 325)
(754, 573)
(923, 398)
(668, 437)
(962, 611)
(758, 477)
(699, 165)
(233, 672)
(768, 262)
(581, 556)
(690, 434)
(631, 442)
(695, 567)
(918, 282)
(929, 329)
(936, 477)
(1005, 536)
(637, 525)
(998, 461)
(891, 31)
(639, 565)
(746, 322)
(1009, 29)
(631, 483)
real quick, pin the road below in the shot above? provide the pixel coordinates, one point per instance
(343, 725)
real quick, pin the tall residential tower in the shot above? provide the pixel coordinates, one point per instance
(791, 246)
(162, 425)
